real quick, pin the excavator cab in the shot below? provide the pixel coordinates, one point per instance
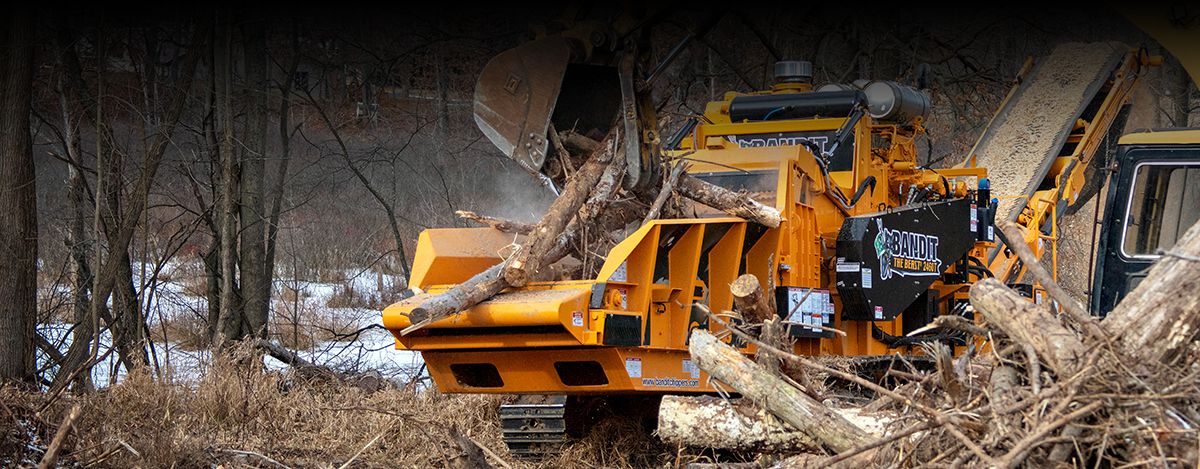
(1153, 199)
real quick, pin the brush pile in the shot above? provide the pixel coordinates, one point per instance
(1042, 386)
(591, 214)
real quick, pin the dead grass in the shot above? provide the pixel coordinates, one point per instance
(186, 330)
(238, 412)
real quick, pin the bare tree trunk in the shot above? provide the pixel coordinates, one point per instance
(256, 279)
(78, 243)
(18, 204)
(285, 155)
(229, 325)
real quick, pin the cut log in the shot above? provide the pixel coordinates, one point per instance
(1161, 317)
(506, 226)
(532, 257)
(750, 300)
(1029, 324)
(738, 425)
(488, 283)
(827, 428)
(728, 201)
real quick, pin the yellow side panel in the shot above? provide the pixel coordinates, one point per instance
(452, 255)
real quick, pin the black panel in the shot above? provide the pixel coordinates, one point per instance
(583, 373)
(477, 375)
(920, 313)
(906, 250)
(622, 329)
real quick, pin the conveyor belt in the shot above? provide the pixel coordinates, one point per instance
(1030, 130)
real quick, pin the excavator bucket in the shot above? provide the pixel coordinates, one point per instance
(516, 94)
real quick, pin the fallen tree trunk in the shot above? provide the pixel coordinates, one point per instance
(506, 226)
(750, 300)
(728, 201)
(1161, 317)
(532, 257)
(1029, 324)
(827, 428)
(304, 367)
(739, 425)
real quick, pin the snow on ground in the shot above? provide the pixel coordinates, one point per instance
(372, 349)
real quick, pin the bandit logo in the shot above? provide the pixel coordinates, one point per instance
(905, 253)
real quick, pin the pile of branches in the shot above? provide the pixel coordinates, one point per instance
(592, 213)
(1043, 385)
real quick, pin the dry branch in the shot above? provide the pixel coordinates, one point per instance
(506, 226)
(59, 438)
(727, 201)
(824, 426)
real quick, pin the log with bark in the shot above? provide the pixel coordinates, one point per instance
(1028, 323)
(490, 282)
(725, 200)
(738, 425)
(827, 428)
(750, 300)
(1160, 318)
(533, 256)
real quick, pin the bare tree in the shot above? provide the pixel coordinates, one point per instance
(18, 203)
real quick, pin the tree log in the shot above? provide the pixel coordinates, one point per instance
(738, 425)
(488, 283)
(532, 257)
(506, 226)
(750, 300)
(1028, 323)
(728, 201)
(1161, 317)
(826, 427)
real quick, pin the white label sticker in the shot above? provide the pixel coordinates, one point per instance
(577, 319)
(633, 366)
(878, 312)
(621, 274)
(974, 218)
(691, 369)
(866, 278)
(624, 298)
(1037, 297)
(991, 233)
(848, 266)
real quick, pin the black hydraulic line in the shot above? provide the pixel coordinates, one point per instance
(677, 137)
(862, 187)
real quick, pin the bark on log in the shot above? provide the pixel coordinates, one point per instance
(1028, 323)
(728, 201)
(829, 429)
(506, 226)
(738, 425)
(1161, 317)
(750, 300)
(532, 257)
(1034, 267)
(491, 281)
